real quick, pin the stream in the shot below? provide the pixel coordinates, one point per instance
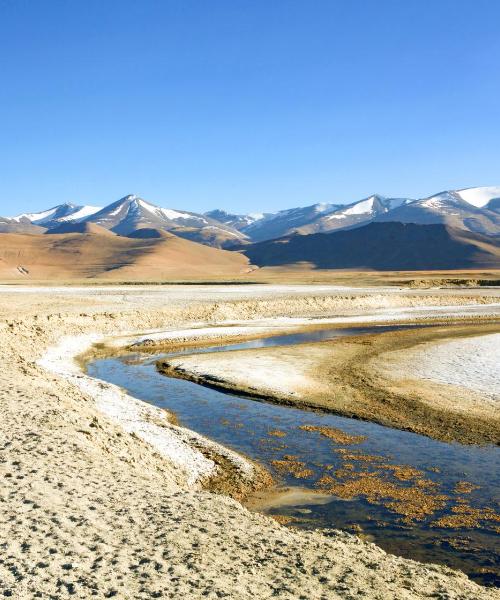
(413, 496)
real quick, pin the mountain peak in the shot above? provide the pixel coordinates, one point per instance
(57, 214)
(130, 199)
(480, 197)
(132, 212)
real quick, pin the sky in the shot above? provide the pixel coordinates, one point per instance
(246, 105)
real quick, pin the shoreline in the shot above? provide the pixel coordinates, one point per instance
(309, 380)
(206, 463)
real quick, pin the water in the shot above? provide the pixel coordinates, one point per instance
(288, 339)
(267, 433)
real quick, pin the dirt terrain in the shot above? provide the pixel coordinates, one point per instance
(90, 509)
(99, 253)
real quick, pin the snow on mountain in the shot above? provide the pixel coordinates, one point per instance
(353, 215)
(124, 217)
(21, 225)
(57, 214)
(474, 209)
(236, 221)
(442, 202)
(81, 213)
(282, 223)
(449, 208)
(480, 196)
(260, 226)
(308, 219)
(364, 207)
(138, 204)
(360, 208)
(131, 213)
(374, 205)
(35, 217)
(256, 216)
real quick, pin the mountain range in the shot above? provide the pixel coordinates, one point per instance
(123, 217)
(472, 209)
(134, 239)
(381, 246)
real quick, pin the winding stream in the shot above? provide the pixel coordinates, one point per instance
(455, 487)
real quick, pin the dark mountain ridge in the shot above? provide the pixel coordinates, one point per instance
(382, 246)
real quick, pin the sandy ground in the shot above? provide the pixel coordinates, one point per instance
(91, 509)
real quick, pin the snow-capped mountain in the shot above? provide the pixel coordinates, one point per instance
(266, 226)
(355, 214)
(239, 222)
(287, 221)
(131, 213)
(481, 197)
(451, 208)
(473, 209)
(57, 214)
(38, 222)
(308, 219)
(124, 217)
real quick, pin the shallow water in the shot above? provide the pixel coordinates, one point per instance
(289, 339)
(267, 432)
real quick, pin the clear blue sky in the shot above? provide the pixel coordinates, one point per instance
(246, 105)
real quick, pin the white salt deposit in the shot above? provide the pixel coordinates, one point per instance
(473, 363)
(149, 423)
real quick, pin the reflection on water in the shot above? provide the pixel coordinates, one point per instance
(444, 483)
(289, 339)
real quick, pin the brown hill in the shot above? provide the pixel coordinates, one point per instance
(383, 247)
(144, 233)
(212, 236)
(82, 227)
(18, 226)
(101, 254)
